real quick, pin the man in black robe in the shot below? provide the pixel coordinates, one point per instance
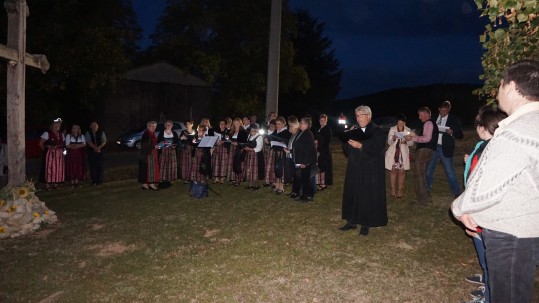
(364, 193)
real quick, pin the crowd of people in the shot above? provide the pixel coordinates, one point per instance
(64, 156)
(499, 205)
(271, 155)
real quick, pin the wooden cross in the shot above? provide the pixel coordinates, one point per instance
(15, 52)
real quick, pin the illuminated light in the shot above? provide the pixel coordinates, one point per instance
(261, 131)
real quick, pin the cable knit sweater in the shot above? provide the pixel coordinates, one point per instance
(502, 192)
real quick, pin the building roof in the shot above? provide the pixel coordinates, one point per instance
(163, 72)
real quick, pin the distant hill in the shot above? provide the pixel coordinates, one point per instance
(409, 100)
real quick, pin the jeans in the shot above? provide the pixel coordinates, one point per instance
(449, 169)
(480, 249)
(512, 263)
(422, 158)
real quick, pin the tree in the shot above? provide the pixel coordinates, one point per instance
(512, 34)
(88, 44)
(225, 42)
(313, 52)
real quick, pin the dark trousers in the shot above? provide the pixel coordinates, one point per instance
(511, 265)
(95, 162)
(302, 182)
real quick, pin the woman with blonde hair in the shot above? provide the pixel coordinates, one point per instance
(75, 167)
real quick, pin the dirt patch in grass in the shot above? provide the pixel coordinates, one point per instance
(111, 249)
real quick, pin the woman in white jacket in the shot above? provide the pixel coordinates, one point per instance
(398, 155)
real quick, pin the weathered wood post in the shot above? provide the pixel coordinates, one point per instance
(15, 53)
(274, 55)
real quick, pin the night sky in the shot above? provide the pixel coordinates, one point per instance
(386, 44)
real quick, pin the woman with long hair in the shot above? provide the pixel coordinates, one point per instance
(148, 162)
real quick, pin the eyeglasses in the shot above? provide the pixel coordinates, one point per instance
(478, 123)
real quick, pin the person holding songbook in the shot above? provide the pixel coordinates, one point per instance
(168, 163)
(220, 154)
(276, 163)
(186, 151)
(254, 157)
(236, 135)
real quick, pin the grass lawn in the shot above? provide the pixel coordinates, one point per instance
(118, 243)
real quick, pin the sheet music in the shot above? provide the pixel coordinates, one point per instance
(443, 129)
(401, 135)
(277, 143)
(208, 141)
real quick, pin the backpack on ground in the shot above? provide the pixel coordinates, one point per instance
(198, 190)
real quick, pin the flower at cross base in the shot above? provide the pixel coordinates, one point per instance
(36, 215)
(2, 202)
(2, 229)
(22, 192)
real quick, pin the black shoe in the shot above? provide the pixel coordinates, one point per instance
(347, 226)
(306, 199)
(255, 187)
(364, 230)
(293, 195)
(267, 185)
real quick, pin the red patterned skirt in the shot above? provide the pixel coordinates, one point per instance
(195, 174)
(168, 165)
(54, 165)
(75, 164)
(232, 176)
(250, 172)
(219, 161)
(185, 162)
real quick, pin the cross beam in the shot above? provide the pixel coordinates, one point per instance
(15, 53)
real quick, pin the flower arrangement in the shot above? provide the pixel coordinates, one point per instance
(21, 211)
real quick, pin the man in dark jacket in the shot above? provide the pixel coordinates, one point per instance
(449, 130)
(364, 193)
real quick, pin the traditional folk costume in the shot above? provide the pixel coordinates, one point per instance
(168, 162)
(266, 150)
(186, 154)
(254, 160)
(235, 165)
(275, 166)
(52, 168)
(75, 158)
(220, 156)
(148, 163)
(200, 163)
(325, 161)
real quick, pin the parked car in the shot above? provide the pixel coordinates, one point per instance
(131, 139)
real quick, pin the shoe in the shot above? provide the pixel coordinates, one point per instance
(364, 230)
(248, 187)
(321, 188)
(479, 293)
(153, 188)
(399, 193)
(393, 193)
(145, 187)
(306, 199)
(477, 279)
(347, 226)
(293, 195)
(478, 300)
(267, 185)
(279, 191)
(255, 187)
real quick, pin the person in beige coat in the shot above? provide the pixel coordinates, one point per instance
(397, 158)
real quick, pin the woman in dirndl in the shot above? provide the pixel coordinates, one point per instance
(237, 135)
(268, 176)
(185, 151)
(254, 158)
(148, 162)
(75, 158)
(277, 160)
(168, 162)
(220, 154)
(201, 161)
(52, 165)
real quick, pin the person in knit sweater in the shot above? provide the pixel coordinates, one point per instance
(502, 192)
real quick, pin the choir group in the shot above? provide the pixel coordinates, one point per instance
(278, 153)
